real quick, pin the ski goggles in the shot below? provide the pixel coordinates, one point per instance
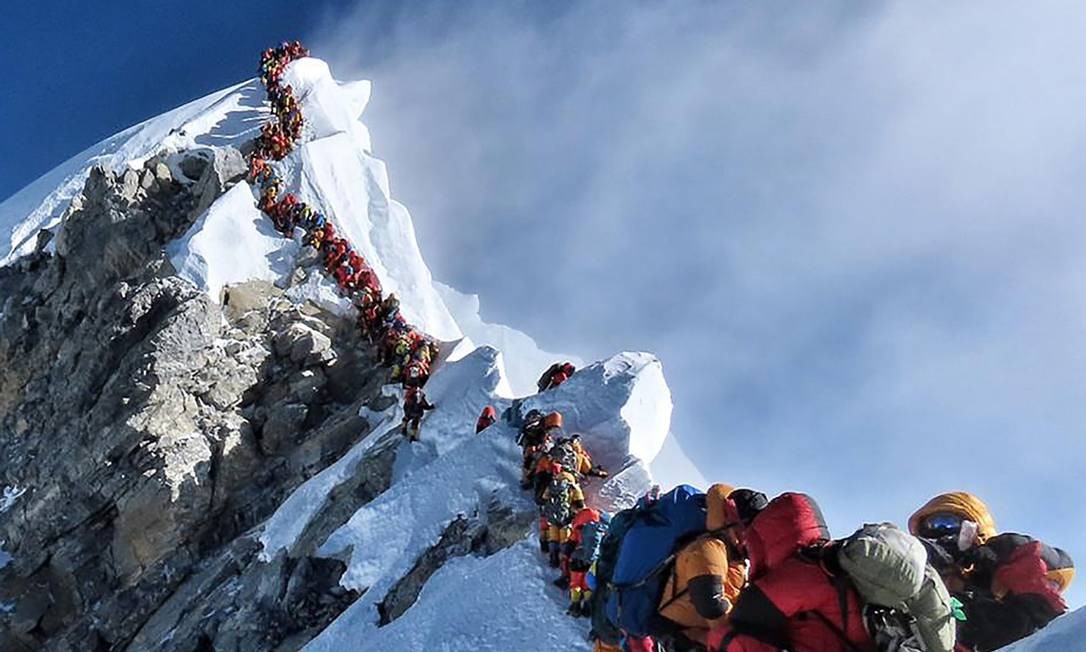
(940, 525)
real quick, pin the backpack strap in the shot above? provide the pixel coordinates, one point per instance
(824, 554)
(674, 582)
(618, 588)
(841, 584)
(651, 574)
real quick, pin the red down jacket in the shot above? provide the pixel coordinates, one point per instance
(791, 603)
(1015, 588)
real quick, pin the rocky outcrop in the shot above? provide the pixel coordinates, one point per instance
(149, 432)
(482, 534)
(150, 429)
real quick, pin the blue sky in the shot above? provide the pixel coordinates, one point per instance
(854, 238)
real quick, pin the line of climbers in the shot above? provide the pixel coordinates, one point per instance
(407, 352)
(554, 467)
(724, 570)
(729, 570)
(555, 375)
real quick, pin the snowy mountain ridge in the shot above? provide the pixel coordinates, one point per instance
(621, 405)
(489, 589)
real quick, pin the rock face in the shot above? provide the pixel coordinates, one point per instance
(152, 429)
(198, 453)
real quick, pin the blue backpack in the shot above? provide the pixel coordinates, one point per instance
(648, 549)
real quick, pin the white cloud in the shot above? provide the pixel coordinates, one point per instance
(853, 236)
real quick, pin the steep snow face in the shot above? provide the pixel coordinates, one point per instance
(232, 229)
(524, 360)
(334, 172)
(639, 427)
(450, 472)
(1065, 634)
(333, 169)
(228, 117)
(502, 602)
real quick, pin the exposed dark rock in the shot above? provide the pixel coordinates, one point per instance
(129, 406)
(501, 527)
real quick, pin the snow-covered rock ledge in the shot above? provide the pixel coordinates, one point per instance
(621, 406)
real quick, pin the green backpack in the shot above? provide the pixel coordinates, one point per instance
(908, 607)
(556, 506)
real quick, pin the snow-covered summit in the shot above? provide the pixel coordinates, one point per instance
(621, 406)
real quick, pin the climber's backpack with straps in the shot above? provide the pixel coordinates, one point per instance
(907, 606)
(603, 628)
(556, 506)
(659, 529)
(592, 535)
(564, 454)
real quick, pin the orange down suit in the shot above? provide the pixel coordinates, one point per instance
(705, 570)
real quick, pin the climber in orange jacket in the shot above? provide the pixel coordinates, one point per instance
(537, 442)
(585, 467)
(710, 571)
(486, 419)
(561, 500)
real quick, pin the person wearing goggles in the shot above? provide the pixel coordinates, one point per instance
(1010, 585)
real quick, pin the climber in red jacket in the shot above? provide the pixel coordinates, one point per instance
(1010, 585)
(793, 602)
(336, 250)
(486, 419)
(555, 375)
(1014, 588)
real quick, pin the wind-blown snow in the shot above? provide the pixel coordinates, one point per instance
(1065, 634)
(672, 467)
(524, 360)
(352, 188)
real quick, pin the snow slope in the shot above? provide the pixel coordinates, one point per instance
(1065, 634)
(452, 472)
(228, 117)
(502, 602)
(258, 251)
(622, 405)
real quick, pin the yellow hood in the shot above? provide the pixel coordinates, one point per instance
(961, 503)
(720, 510)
